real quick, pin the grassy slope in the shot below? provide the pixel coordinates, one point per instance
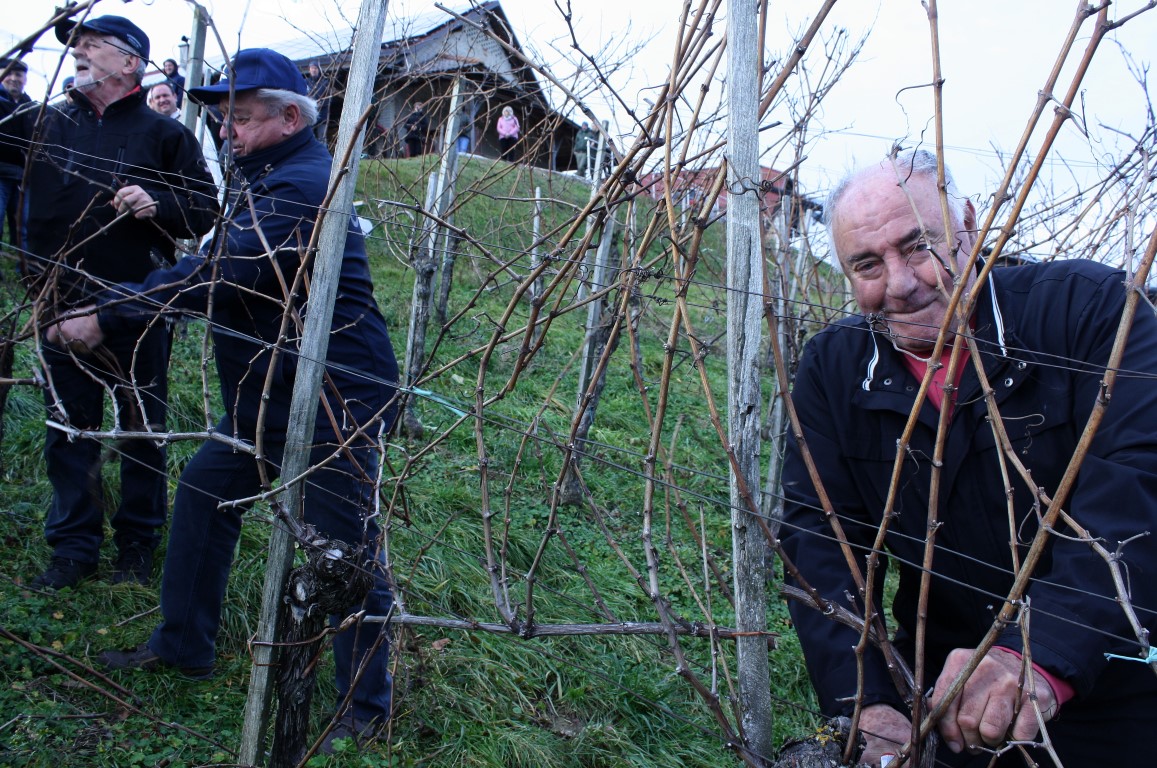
(463, 698)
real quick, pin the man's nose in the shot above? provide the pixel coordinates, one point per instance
(901, 279)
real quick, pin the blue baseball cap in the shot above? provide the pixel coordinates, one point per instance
(251, 69)
(117, 26)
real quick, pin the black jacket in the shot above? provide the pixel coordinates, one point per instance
(244, 292)
(1044, 334)
(80, 159)
(11, 152)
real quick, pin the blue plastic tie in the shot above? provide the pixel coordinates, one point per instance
(1150, 659)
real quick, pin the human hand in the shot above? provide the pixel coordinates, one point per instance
(133, 198)
(991, 708)
(885, 729)
(78, 333)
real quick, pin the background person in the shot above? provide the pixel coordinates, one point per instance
(1044, 333)
(417, 131)
(285, 174)
(11, 156)
(319, 92)
(163, 99)
(508, 132)
(174, 76)
(136, 182)
(586, 143)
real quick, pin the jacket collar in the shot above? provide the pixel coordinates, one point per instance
(882, 363)
(130, 100)
(253, 164)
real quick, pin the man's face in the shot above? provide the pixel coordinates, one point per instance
(170, 68)
(14, 82)
(254, 126)
(896, 267)
(101, 61)
(162, 100)
(314, 70)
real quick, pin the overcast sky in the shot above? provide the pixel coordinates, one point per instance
(996, 55)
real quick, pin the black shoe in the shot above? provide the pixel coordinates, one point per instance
(63, 572)
(143, 658)
(134, 564)
(362, 734)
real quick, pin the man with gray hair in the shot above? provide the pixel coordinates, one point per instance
(111, 188)
(1042, 335)
(244, 282)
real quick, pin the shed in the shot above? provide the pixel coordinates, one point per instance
(421, 57)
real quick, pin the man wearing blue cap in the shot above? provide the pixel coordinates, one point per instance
(112, 187)
(243, 280)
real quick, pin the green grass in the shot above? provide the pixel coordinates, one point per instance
(463, 698)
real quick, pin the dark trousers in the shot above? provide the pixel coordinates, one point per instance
(136, 374)
(203, 536)
(507, 145)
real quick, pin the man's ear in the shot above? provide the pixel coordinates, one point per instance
(969, 217)
(292, 114)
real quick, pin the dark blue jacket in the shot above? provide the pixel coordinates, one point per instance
(80, 159)
(244, 293)
(1044, 334)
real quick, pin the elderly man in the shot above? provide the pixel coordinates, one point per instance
(241, 281)
(112, 186)
(1043, 335)
(163, 99)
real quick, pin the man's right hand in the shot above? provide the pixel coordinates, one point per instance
(886, 731)
(77, 332)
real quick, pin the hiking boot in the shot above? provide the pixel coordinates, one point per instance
(134, 564)
(143, 658)
(361, 733)
(63, 572)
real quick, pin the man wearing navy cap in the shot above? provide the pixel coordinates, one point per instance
(242, 281)
(112, 187)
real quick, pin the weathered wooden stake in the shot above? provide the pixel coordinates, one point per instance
(422, 259)
(744, 311)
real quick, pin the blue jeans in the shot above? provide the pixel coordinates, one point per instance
(134, 372)
(203, 536)
(9, 197)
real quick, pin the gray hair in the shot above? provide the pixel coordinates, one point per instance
(276, 100)
(907, 163)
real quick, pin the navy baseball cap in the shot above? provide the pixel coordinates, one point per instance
(251, 69)
(117, 26)
(16, 64)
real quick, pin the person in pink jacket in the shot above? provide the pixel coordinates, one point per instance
(508, 132)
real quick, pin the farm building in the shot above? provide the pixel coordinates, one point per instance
(421, 58)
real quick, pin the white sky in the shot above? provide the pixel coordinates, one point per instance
(996, 55)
